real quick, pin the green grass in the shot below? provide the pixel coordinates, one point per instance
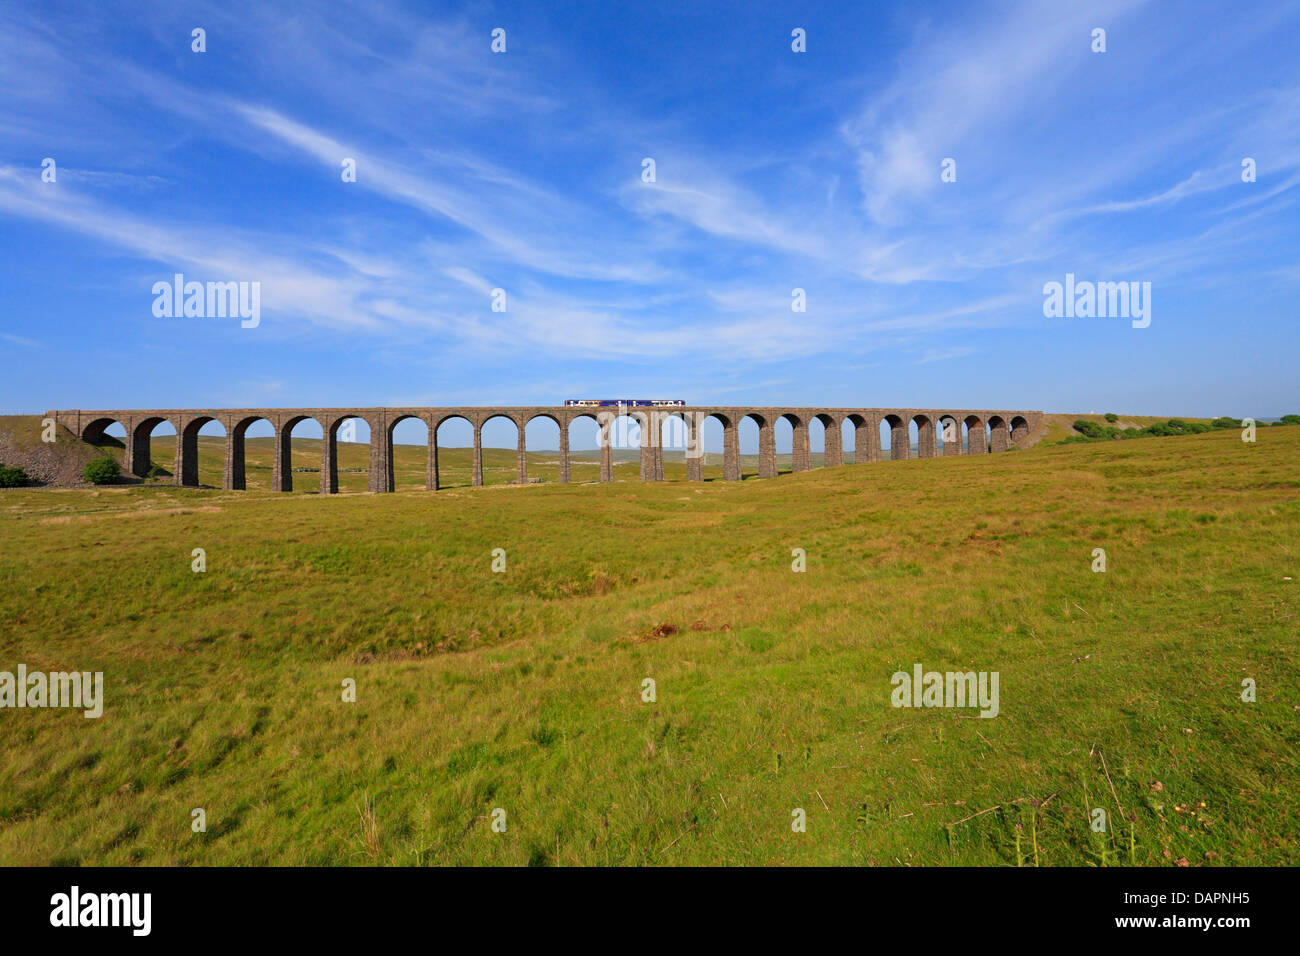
(522, 690)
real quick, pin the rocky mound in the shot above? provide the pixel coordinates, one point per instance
(58, 463)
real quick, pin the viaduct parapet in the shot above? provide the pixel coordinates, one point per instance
(939, 432)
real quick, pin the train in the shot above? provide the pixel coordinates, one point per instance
(625, 402)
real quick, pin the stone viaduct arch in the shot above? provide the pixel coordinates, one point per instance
(1003, 427)
(999, 436)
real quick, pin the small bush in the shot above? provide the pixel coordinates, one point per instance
(1226, 422)
(12, 477)
(1112, 417)
(101, 471)
(1090, 429)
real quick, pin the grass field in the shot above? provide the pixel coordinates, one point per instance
(522, 690)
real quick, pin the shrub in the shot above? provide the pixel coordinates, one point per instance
(1090, 429)
(1226, 423)
(1086, 431)
(101, 471)
(1290, 420)
(12, 477)
(1112, 417)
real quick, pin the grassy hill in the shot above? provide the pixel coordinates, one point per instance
(58, 463)
(1058, 427)
(522, 690)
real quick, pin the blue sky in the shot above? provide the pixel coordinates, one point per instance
(775, 170)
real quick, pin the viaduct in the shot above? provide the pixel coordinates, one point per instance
(939, 432)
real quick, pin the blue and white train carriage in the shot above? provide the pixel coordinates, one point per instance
(624, 402)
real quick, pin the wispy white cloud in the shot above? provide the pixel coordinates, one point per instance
(286, 286)
(19, 340)
(510, 215)
(945, 354)
(958, 89)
